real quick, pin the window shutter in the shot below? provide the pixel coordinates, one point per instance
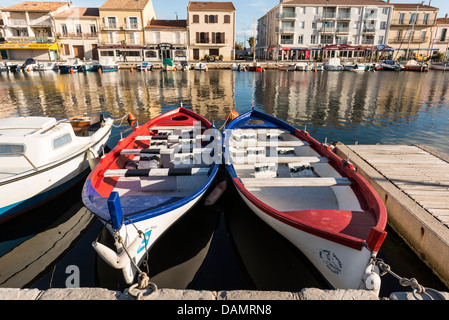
(213, 37)
(207, 37)
(223, 38)
(216, 18)
(206, 19)
(197, 37)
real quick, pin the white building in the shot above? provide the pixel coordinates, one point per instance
(166, 39)
(77, 32)
(301, 29)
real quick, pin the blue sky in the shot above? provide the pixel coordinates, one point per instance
(247, 10)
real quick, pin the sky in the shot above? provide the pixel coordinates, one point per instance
(246, 10)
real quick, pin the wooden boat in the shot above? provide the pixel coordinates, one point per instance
(149, 180)
(254, 67)
(309, 195)
(439, 66)
(41, 157)
(414, 65)
(287, 67)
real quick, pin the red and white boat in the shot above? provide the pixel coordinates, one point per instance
(148, 181)
(309, 195)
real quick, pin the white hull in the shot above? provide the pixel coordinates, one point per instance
(32, 183)
(153, 228)
(342, 266)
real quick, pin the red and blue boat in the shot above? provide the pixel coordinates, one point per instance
(148, 181)
(308, 194)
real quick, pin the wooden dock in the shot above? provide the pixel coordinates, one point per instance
(413, 181)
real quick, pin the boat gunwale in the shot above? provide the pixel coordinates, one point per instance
(368, 198)
(115, 152)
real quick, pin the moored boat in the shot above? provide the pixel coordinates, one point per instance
(148, 181)
(333, 64)
(41, 157)
(200, 66)
(287, 67)
(309, 195)
(108, 65)
(144, 66)
(91, 66)
(71, 65)
(439, 66)
(414, 65)
(255, 66)
(46, 66)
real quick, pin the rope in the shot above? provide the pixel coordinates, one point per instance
(121, 121)
(413, 283)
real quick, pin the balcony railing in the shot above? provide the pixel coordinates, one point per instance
(407, 23)
(41, 22)
(17, 22)
(344, 16)
(132, 26)
(342, 29)
(288, 30)
(110, 26)
(369, 30)
(328, 15)
(288, 15)
(286, 41)
(77, 35)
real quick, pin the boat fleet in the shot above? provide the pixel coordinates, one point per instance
(150, 179)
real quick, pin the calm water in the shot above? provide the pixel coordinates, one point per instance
(367, 108)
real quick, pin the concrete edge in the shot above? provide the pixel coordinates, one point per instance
(202, 295)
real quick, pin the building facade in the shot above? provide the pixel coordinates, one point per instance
(77, 33)
(301, 29)
(29, 30)
(441, 40)
(211, 30)
(166, 39)
(412, 29)
(122, 28)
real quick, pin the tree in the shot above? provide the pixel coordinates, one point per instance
(252, 43)
(238, 46)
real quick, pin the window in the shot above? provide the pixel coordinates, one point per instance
(413, 18)
(313, 39)
(423, 36)
(218, 37)
(214, 52)
(401, 18)
(133, 23)
(300, 39)
(211, 18)
(202, 37)
(195, 18)
(384, 10)
(399, 35)
(227, 18)
(78, 29)
(66, 49)
(381, 40)
(93, 29)
(134, 38)
(383, 25)
(112, 37)
(425, 20)
(111, 22)
(64, 29)
(151, 54)
(11, 148)
(443, 35)
(62, 141)
(108, 53)
(133, 53)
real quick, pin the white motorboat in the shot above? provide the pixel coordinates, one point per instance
(41, 157)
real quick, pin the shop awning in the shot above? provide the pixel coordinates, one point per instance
(28, 46)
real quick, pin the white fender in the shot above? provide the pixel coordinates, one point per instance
(92, 158)
(372, 279)
(114, 259)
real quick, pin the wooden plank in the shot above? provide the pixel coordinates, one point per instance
(295, 182)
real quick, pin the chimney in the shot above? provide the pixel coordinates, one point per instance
(430, 3)
(445, 17)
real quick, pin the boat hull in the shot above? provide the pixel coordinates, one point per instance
(341, 266)
(109, 68)
(338, 228)
(69, 69)
(49, 181)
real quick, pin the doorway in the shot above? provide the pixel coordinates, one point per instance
(78, 52)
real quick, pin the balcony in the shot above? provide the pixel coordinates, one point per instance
(342, 29)
(369, 30)
(17, 23)
(78, 35)
(328, 15)
(286, 41)
(288, 15)
(407, 23)
(132, 26)
(288, 30)
(41, 22)
(344, 16)
(110, 26)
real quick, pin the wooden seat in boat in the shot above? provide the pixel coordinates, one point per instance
(296, 182)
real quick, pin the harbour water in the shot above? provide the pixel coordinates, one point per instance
(223, 247)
